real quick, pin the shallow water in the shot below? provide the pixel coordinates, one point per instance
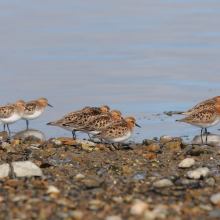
(140, 57)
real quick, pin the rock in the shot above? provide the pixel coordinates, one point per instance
(149, 156)
(150, 215)
(26, 168)
(15, 142)
(63, 139)
(165, 139)
(52, 189)
(163, 183)
(187, 182)
(138, 208)
(199, 173)
(86, 143)
(92, 183)
(214, 213)
(5, 145)
(173, 145)
(186, 163)
(77, 214)
(153, 147)
(79, 176)
(195, 152)
(96, 204)
(4, 135)
(206, 207)
(87, 147)
(113, 217)
(72, 143)
(210, 182)
(21, 168)
(127, 169)
(4, 170)
(57, 142)
(215, 198)
(148, 142)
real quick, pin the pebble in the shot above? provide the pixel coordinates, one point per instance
(199, 173)
(163, 183)
(5, 144)
(148, 142)
(113, 217)
(79, 176)
(153, 147)
(215, 198)
(77, 214)
(210, 181)
(88, 143)
(186, 163)
(21, 168)
(138, 208)
(215, 213)
(165, 139)
(52, 189)
(57, 142)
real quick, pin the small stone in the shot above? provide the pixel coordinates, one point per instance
(77, 214)
(153, 147)
(79, 176)
(210, 181)
(15, 142)
(186, 163)
(113, 217)
(52, 189)
(173, 145)
(4, 135)
(215, 198)
(72, 143)
(127, 169)
(199, 173)
(86, 143)
(165, 139)
(64, 139)
(5, 145)
(138, 208)
(4, 170)
(214, 213)
(163, 183)
(206, 207)
(149, 156)
(96, 204)
(148, 142)
(92, 183)
(57, 142)
(87, 147)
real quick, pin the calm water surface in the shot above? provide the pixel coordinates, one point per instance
(141, 57)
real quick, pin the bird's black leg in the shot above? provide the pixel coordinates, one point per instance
(4, 127)
(27, 124)
(74, 134)
(201, 136)
(8, 129)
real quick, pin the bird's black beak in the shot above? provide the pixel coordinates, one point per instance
(49, 105)
(138, 125)
(122, 118)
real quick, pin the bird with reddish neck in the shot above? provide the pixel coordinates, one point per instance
(204, 118)
(118, 131)
(85, 117)
(35, 109)
(11, 113)
(100, 123)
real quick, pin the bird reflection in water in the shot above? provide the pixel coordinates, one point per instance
(30, 132)
(206, 138)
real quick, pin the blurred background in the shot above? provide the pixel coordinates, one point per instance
(141, 57)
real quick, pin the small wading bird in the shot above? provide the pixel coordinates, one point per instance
(203, 105)
(11, 113)
(34, 109)
(118, 131)
(76, 120)
(100, 123)
(204, 118)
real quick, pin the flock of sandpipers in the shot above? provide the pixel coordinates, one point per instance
(101, 122)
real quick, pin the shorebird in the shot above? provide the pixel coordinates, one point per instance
(118, 131)
(35, 109)
(80, 118)
(204, 118)
(100, 123)
(11, 113)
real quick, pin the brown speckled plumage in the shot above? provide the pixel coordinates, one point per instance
(203, 105)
